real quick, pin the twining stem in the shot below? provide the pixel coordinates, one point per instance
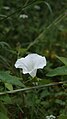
(34, 87)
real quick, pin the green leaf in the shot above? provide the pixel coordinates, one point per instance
(3, 116)
(58, 71)
(5, 99)
(44, 94)
(49, 7)
(3, 108)
(62, 116)
(4, 43)
(63, 59)
(7, 78)
(9, 86)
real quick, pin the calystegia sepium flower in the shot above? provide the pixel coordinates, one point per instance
(31, 63)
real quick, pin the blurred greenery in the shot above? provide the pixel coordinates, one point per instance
(33, 26)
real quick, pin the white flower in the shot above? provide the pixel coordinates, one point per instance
(23, 16)
(50, 117)
(31, 63)
(47, 117)
(6, 7)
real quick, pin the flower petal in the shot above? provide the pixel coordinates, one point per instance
(28, 63)
(33, 73)
(39, 61)
(35, 61)
(19, 63)
(31, 63)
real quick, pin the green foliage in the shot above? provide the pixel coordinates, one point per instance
(3, 116)
(9, 86)
(58, 71)
(44, 31)
(62, 117)
(3, 111)
(7, 78)
(63, 59)
(6, 99)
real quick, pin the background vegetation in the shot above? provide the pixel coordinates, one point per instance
(33, 26)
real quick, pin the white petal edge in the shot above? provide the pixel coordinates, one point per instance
(37, 60)
(31, 63)
(19, 63)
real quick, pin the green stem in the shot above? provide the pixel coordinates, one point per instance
(31, 88)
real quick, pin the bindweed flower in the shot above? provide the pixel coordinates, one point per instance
(50, 117)
(24, 16)
(6, 7)
(31, 63)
